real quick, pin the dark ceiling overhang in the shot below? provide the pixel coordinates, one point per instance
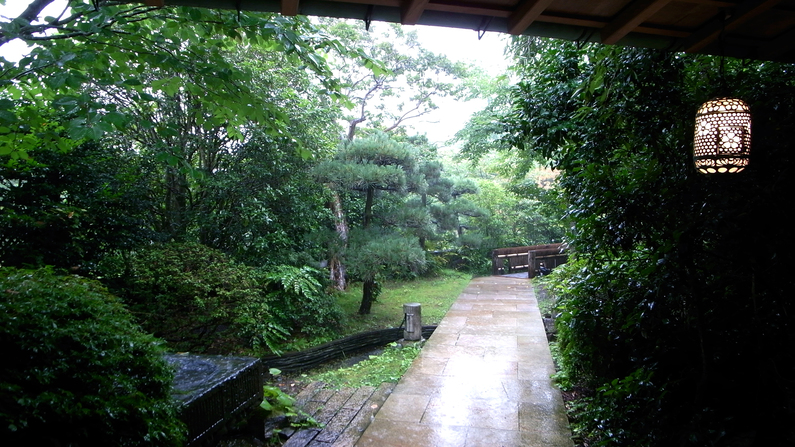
(761, 29)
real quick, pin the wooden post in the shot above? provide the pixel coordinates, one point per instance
(413, 331)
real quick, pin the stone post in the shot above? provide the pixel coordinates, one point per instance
(413, 331)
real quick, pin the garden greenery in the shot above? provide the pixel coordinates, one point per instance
(199, 300)
(676, 310)
(299, 300)
(77, 370)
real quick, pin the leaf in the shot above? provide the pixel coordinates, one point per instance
(117, 119)
(8, 117)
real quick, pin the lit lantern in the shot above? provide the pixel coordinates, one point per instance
(723, 136)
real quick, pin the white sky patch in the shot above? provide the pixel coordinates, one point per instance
(16, 49)
(464, 46)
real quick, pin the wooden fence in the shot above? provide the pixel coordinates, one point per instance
(530, 259)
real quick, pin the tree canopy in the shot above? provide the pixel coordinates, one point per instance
(138, 49)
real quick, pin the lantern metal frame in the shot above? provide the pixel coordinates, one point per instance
(722, 140)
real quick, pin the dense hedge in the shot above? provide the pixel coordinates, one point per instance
(676, 311)
(76, 370)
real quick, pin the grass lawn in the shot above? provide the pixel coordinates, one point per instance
(436, 295)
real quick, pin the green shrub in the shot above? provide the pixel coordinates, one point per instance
(76, 369)
(299, 300)
(199, 300)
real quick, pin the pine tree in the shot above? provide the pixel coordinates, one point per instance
(378, 169)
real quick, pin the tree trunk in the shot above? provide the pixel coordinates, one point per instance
(368, 207)
(368, 289)
(424, 206)
(336, 266)
(176, 203)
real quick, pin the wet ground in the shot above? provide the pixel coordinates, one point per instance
(482, 379)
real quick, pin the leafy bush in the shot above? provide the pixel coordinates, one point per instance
(299, 300)
(278, 403)
(69, 208)
(77, 369)
(199, 300)
(681, 298)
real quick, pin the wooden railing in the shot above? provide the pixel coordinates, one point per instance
(530, 258)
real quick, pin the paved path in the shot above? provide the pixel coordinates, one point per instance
(482, 379)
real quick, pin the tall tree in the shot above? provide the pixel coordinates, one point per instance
(407, 84)
(199, 158)
(368, 166)
(403, 87)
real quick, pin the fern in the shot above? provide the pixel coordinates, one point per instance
(298, 299)
(300, 280)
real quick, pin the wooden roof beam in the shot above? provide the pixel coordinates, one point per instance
(411, 11)
(526, 13)
(781, 45)
(630, 18)
(289, 7)
(710, 32)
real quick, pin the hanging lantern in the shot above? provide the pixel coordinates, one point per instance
(723, 136)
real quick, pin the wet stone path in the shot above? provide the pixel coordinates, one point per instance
(482, 379)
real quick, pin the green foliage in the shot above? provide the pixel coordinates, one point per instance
(485, 130)
(198, 300)
(298, 300)
(259, 203)
(278, 403)
(69, 209)
(406, 84)
(375, 162)
(136, 49)
(387, 366)
(76, 369)
(376, 255)
(518, 201)
(677, 284)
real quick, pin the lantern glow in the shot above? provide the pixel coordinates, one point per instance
(722, 142)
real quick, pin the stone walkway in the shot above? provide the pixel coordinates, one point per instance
(482, 379)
